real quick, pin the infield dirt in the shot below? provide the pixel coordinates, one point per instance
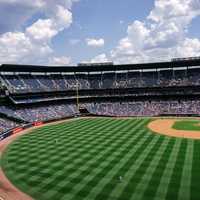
(165, 127)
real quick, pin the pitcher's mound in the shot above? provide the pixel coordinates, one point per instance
(165, 127)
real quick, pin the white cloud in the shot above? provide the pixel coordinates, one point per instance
(42, 30)
(34, 44)
(95, 42)
(137, 32)
(100, 59)
(15, 13)
(48, 28)
(189, 47)
(184, 10)
(37, 3)
(65, 3)
(63, 17)
(13, 46)
(17, 47)
(162, 35)
(60, 61)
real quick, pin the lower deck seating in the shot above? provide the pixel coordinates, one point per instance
(6, 124)
(131, 108)
(40, 113)
(145, 108)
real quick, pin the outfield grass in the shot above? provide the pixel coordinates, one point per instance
(0, 159)
(188, 125)
(91, 154)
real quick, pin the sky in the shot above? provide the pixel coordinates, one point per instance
(67, 32)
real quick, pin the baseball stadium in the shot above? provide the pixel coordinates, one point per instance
(100, 131)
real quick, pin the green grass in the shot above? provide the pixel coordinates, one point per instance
(0, 159)
(189, 125)
(90, 156)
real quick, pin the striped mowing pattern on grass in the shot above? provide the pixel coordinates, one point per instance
(84, 160)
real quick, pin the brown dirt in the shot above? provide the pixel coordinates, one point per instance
(7, 190)
(164, 127)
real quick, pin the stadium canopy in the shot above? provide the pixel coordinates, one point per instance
(101, 68)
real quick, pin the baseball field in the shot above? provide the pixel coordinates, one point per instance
(105, 159)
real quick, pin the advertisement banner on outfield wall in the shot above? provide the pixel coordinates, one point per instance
(17, 130)
(38, 123)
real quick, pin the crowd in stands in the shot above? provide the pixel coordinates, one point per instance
(6, 124)
(133, 108)
(40, 113)
(145, 108)
(61, 82)
(33, 114)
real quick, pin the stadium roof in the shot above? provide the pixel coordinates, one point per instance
(99, 68)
